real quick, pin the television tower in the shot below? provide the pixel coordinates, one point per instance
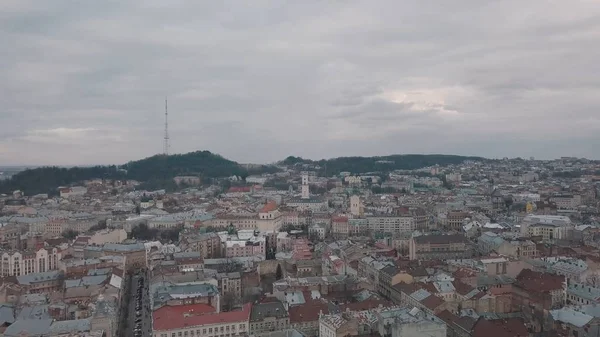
(166, 140)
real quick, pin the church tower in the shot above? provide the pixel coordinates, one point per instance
(305, 186)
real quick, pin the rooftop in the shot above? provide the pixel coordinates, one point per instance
(269, 309)
(438, 239)
(38, 277)
(177, 317)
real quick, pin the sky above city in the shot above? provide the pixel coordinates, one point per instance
(256, 81)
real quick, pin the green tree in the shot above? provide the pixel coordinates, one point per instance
(70, 234)
(101, 225)
(278, 272)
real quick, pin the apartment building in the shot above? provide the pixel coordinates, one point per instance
(10, 235)
(188, 261)
(566, 202)
(440, 247)
(230, 283)
(244, 248)
(526, 249)
(175, 294)
(208, 245)
(455, 219)
(17, 263)
(267, 317)
(340, 227)
(199, 321)
(581, 294)
(45, 282)
(407, 321)
(370, 268)
(391, 224)
(134, 254)
(338, 325)
(538, 290)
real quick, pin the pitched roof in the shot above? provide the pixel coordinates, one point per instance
(177, 317)
(509, 327)
(539, 282)
(307, 312)
(269, 207)
(432, 302)
(438, 239)
(271, 309)
(33, 327)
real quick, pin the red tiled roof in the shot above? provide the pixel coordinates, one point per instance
(407, 288)
(307, 313)
(238, 189)
(462, 288)
(177, 317)
(448, 317)
(511, 327)
(430, 287)
(432, 302)
(269, 207)
(539, 282)
(339, 219)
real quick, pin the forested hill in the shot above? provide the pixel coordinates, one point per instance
(156, 172)
(383, 163)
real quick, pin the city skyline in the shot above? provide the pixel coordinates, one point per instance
(257, 82)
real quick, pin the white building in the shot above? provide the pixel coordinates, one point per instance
(256, 180)
(28, 262)
(69, 192)
(319, 230)
(409, 322)
(392, 224)
(353, 180)
(549, 227)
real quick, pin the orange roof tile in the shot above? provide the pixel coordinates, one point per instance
(177, 317)
(269, 207)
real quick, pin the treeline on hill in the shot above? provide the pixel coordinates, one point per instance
(376, 164)
(47, 179)
(154, 172)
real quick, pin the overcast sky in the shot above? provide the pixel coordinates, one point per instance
(256, 81)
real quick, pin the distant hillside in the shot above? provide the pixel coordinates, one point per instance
(155, 172)
(383, 163)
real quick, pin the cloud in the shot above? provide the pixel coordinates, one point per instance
(69, 135)
(258, 81)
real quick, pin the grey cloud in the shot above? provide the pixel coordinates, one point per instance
(378, 108)
(258, 81)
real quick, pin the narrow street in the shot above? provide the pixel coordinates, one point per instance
(136, 319)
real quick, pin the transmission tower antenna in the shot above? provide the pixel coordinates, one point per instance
(166, 140)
